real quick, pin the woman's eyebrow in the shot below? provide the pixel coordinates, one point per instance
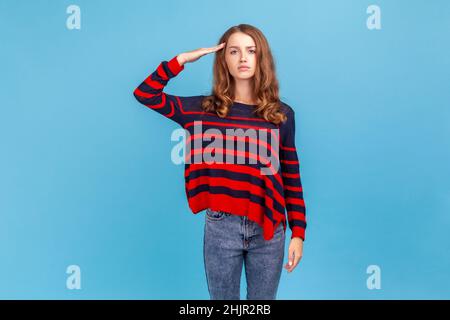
(238, 47)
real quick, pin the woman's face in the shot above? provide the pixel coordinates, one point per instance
(241, 51)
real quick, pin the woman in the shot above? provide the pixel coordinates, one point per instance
(245, 219)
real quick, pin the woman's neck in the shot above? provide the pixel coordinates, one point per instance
(243, 91)
(245, 102)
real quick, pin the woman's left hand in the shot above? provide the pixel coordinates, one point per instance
(295, 253)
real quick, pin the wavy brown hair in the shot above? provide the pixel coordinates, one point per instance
(266, 89)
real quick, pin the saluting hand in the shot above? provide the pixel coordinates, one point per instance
(194, 55)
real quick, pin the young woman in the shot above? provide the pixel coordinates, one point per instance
(246, 195)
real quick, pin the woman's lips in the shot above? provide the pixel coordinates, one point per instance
(243, 68)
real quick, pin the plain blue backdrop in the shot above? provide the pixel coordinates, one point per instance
(85, 172)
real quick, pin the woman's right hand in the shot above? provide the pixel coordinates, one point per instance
(194, 55)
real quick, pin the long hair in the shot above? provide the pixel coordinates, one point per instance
(265, 83)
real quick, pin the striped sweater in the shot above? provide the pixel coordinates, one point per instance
(260, 184)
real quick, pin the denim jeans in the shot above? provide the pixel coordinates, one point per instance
(231, 240)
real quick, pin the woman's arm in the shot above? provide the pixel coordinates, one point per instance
(290, 172)
(150, 92)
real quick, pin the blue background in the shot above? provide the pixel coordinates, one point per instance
(85, 170)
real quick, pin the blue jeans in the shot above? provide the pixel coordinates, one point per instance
(230, 240)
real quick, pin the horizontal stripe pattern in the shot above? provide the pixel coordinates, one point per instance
(290, 167)
(150, 91)
(238, 188)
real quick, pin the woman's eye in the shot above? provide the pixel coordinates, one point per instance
(234, 51)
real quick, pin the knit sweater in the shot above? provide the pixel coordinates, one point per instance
(263, 186)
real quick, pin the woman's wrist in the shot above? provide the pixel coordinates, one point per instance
(180, 59)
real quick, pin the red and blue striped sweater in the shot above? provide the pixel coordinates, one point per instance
(233, 186)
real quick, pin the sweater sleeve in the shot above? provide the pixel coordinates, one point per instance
(290, 172)
(150, 91)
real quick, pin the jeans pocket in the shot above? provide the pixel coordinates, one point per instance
(214, 215)
(280, 229)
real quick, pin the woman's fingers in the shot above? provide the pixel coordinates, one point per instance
(215, 48)
(204, 51)
(294, 257)
(220, 46)
(289, 265)
(194, 55)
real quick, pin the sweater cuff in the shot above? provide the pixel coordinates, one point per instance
(298, 232)
(175, 66)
